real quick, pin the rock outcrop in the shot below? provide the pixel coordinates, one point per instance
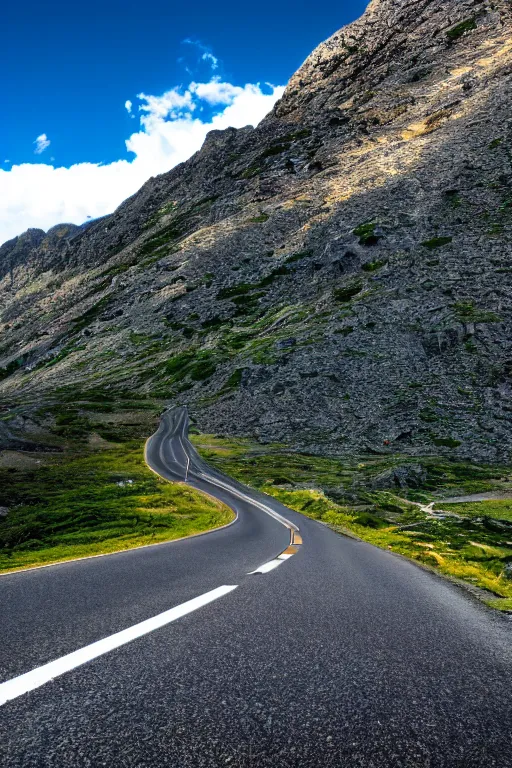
(338, 278)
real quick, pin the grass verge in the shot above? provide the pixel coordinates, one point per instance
(95, 503)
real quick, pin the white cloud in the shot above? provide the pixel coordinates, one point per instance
(213, 60)
(216, 92)
(41, 195)
(128, 106)
(42, 142)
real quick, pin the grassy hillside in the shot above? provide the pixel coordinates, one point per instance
(93, 502)
(349, 495)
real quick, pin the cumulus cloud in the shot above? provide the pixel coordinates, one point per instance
(170, 131)
(42, 142)
(215, 92)
(128, 106)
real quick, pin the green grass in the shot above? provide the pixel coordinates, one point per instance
(12, 367)
(373, 266)
(366, 233)
(259, 219)
(436, 242)
(95, 503)
(340, 492)
(447, 442)
(499, 509)
(348, 291)
(466, 312)
(460, 29)
(501, 604)
(275, 149)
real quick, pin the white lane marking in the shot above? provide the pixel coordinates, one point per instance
(258, 504)
(266, 567)
(215, 481)
(284, 557)
(38, 677)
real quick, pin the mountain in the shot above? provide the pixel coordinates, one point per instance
(338, 278)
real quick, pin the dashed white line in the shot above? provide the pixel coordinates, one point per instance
(266, 567)
(11, 689)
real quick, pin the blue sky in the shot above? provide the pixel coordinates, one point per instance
(71, 68)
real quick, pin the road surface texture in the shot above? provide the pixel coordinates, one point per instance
(338, 655)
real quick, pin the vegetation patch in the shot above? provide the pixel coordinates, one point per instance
(269, 279)
(466, 312)
(275, 149)
(500, 509)
(298, 256)
(260, 219)
(367, 233)
(342, 494)
(373, 266)
(251, 172)
(235, 290)
(436, 242)
(203, 366)
(303, 133)
(165, 210)
(90, 315)
(166, 236)
(460, 29)
(94, 504)
(233, 381)
(501, 604)
(347, 292)
(12, 367)
(448, 442)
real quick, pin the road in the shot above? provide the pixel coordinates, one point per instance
(337, 654)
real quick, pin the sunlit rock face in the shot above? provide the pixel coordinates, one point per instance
(338, 278)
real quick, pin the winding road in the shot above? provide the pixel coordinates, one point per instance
(272, 641)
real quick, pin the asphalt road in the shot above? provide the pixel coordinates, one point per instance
(341, 655)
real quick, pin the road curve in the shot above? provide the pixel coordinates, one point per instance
(341, 655)
(170, 454)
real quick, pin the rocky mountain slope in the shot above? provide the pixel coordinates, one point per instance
(338, 278)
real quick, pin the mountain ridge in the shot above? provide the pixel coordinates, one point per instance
(336, 278)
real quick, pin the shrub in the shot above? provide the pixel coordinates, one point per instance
(282, 270)
(370, 521)
(250, 172)
(436, 242)
(373, 266)
(348, 291)
(465, 311)
(11, 367)
(259, 219)
(460, 29)
(366, 233)
(233, 381)
(449, 442)
(275, 149)
(234, 290)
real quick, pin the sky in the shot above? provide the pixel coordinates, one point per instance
(97, 97)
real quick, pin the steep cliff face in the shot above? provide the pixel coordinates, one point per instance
(339, 277)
